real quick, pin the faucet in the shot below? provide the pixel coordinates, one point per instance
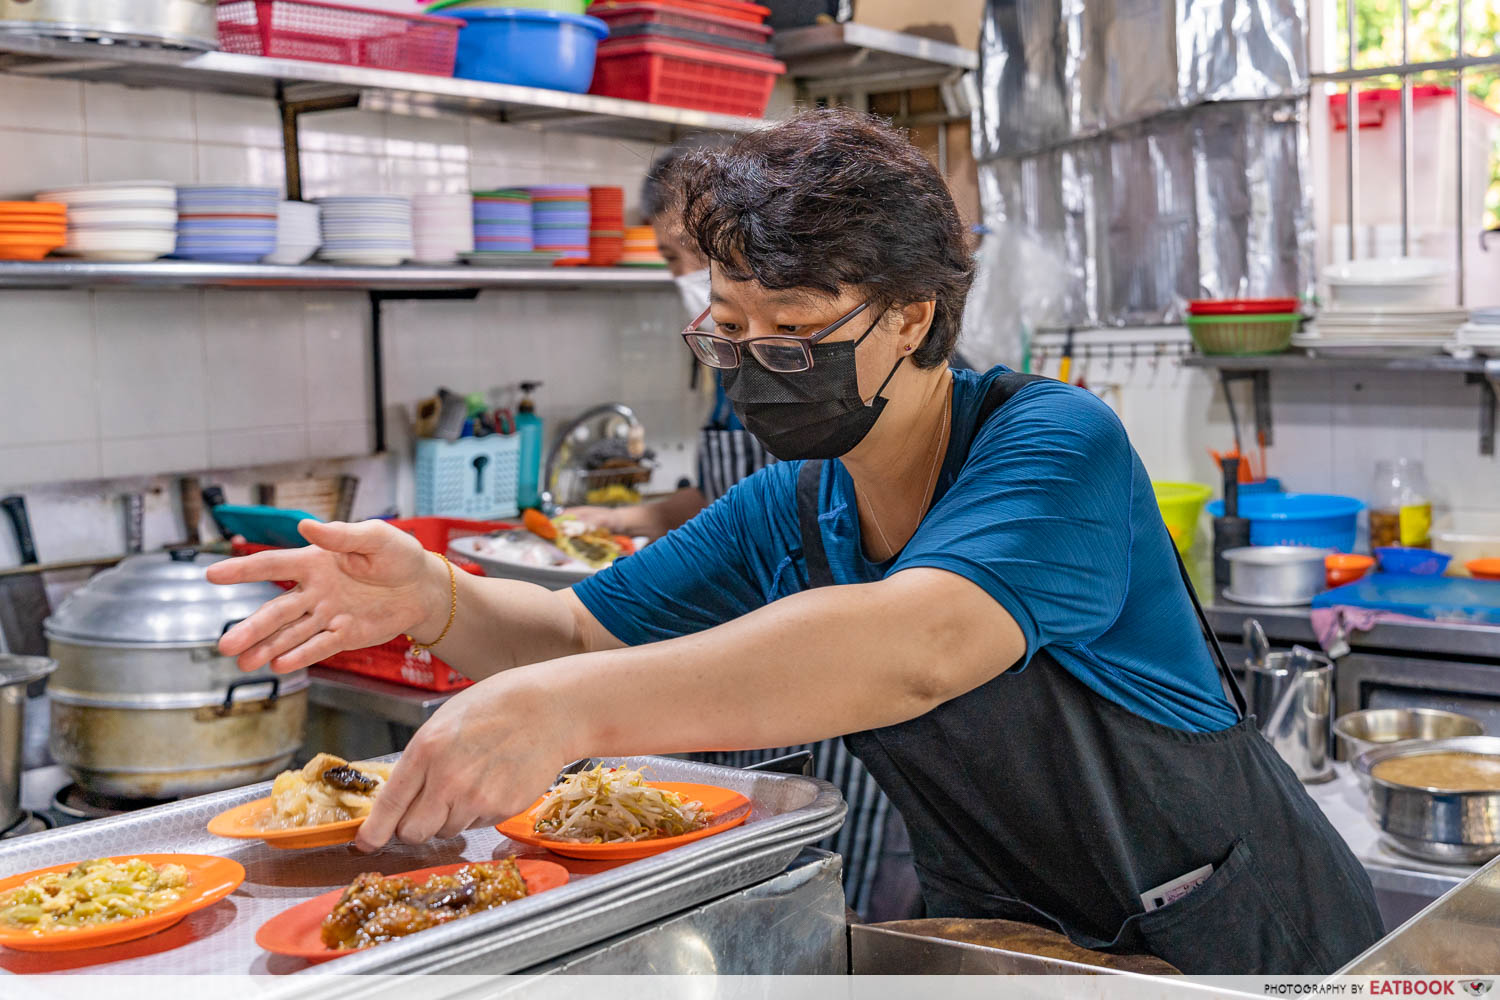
(549, 503)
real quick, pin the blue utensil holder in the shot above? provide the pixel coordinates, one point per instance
(470, 477)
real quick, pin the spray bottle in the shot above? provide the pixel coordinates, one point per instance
(529, 427)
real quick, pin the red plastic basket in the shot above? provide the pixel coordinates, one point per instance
(737, 9)
(621, 17)
(396, 661)
(336, 33)
(685, 76)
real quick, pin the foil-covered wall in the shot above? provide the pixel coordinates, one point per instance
(1138, 153)
(1206, 203)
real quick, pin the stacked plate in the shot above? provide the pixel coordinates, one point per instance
(560, 221)
(640, 248)
(1384, 330)
(1481, 335)
(502, 221)
(297, 233)
(30, 230)
(229, 225)
(606, 225)
(119, 221)
(373, 230)
(442, 227)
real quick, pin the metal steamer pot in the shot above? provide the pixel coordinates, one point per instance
(189, 24)
(15, 673)
(143, 705)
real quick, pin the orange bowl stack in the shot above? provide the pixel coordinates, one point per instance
(640, 248)
(30, 230)
(606, 225)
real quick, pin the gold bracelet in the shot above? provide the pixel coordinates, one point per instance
(452, 608)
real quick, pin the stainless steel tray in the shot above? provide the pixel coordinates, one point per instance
(787, 813)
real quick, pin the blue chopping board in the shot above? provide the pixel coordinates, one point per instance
(1440, 598)
(262, 525)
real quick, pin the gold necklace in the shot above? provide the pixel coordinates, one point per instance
(937, 454)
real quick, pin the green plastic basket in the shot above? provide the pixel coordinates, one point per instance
(1244, 333)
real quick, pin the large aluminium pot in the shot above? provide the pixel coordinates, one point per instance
(143, 705)
(188, 24)
(15, 673)
(1431, 823)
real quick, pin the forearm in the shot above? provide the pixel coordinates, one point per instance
(500, 624)
(815, 665)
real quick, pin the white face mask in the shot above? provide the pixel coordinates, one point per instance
(693, 287)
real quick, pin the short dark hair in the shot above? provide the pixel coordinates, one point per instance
(827, 199)
(658, 189)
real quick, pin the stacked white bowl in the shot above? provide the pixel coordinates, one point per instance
(442, 227)
(297, 233)
(226, 224)
(372, 230)
(120, 220)
(1386, 305)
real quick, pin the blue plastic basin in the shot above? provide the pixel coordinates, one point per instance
(530, 48)
(1322, 521)
(1412, 562)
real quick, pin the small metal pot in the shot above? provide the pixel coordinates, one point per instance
(1274, 575)
(1380, 727)
(15, 673)
(1450, 827)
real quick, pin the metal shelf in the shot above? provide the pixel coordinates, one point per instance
(191, 274)
(1481, 371)
(295, 81)
(836, 60)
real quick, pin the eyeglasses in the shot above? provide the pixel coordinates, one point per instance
(777, 354)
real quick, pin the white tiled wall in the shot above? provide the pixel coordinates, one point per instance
(1329, 428)
(111, 390)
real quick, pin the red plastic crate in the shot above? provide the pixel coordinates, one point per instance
(395, 660)
(621, 17)
(737, 9)
(330, 32)
(685, 76)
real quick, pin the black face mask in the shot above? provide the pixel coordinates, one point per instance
(817, 413)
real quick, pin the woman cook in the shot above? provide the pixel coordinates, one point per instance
(964, 574)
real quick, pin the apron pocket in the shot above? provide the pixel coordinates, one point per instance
(1232, 924)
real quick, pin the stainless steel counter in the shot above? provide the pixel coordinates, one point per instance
(1288, 625)
(366, 696)
(1457, 935)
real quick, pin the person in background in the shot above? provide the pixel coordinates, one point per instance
(879, 880)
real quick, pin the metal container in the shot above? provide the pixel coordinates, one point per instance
(1451, 827)
(187, 24)
(1378, 727)
(1291, 697)
(143, 705)
(15, 673)
(1275, 576)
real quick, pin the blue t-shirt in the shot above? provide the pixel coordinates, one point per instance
(1047, 507)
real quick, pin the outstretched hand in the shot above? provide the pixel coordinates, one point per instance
(356, 585)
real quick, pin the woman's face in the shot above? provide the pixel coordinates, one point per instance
(743, 309)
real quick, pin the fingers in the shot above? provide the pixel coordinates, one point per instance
(275, 564)
(459, 820)
(284, 640)
(317, 649)
(341, 536)
(424, 817)
(391, 804)
(259, 627)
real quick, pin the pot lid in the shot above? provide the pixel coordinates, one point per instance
(157, 598)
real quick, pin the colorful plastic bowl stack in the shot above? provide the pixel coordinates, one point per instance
(640, 248)
(297, 233)
(606, 225)
(30, 230)
(1243, 326)
(368, 230)
(442, 227)
(502, 221)
(560, 221)
(126, 221)
(227, 225)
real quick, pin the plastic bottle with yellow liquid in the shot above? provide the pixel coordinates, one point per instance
(1400, 505)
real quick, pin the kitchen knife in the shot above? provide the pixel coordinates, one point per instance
(189, 492)
(23, 599)
(135, 523)
(213, 497)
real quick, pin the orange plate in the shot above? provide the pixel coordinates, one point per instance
(49, 207)
(210, 880)
(244, 822)
(1484, 569)
(297, 932)
(729, 809)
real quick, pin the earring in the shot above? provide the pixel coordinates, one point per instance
(908, 348)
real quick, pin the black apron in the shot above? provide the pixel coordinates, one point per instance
(1033, 798)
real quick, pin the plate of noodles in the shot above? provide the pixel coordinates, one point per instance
(322, 803)
(614, 813)
(377, 908)
(102, 901)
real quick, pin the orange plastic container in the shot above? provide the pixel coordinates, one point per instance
(396, 661)
(1484, 569)
(1341, 568)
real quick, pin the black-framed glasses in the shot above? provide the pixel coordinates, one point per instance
(777, 354)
